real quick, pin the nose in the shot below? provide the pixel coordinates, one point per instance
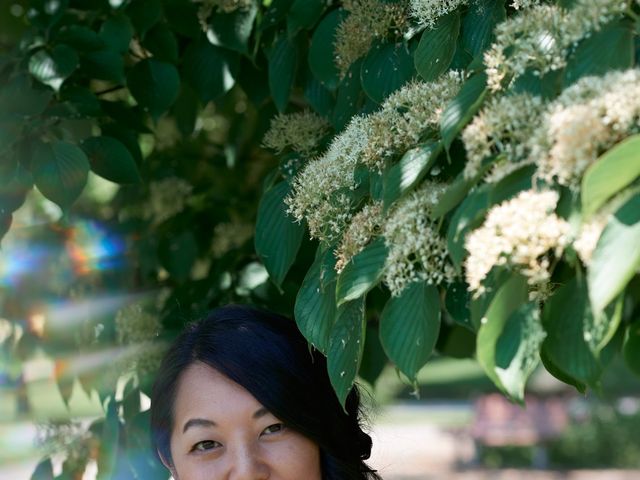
(247, 463)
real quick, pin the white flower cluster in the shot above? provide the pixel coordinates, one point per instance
(585, 120)
(539, 37)
(523, 4)
(406, 115)
(363, 227)
(427, 12)
(320, 190)
(229, 236)
(587, 239)
(416, 249)
(517, 233)
(167, 197)
(300, 131)
(367, 21)
(69, 438)
(137, 330)
(504, 126)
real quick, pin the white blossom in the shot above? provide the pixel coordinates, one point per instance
(587, 239)
(167, 197)
(427, 12)
(300, 131)
(518, 233)
(363, 227)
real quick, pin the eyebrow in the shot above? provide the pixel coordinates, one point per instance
(203, 422)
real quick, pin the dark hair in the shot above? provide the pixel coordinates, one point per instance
(266, 354)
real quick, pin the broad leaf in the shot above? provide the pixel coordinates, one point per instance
(374, 360)
(80, 37)
(409, 171)
(457, 303)
(303, 15)
(210, 70)
(362, 273)
(109, 439)
(517, 349)
(617, 256)
(162, 43)
(437, 47)
(110, 159)
(278, 236)
(19, 98)
(322, 65)
(348, 98)
(144, 14)
(462, 107)
(154, 85)
(612, 172)
(631, 347)
(385, 69)
(479, 23)
(53, 68)
(346, 346)
(116, 32)
(43, 471)
(315, 307)
(409, 327)
(590, 58)
(282, 71)
(105, 64)
(505, 302)
(60, 171)
(565, 316)
(233, 30)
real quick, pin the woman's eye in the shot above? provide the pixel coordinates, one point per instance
(204, 446)
(275, 428)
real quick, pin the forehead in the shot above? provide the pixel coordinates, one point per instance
(205, 392)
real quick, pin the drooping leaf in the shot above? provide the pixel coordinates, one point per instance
(362, 273)
(506, 301)
(462, 107)
(53, 68)
(104, 64)
(210, 70)
(116, 32)
(318, 97)
(144, 14)
(282, 71)
(19, 98)
(590, 58)
(345, 347)
(315, 307)
(617, 256)
(373, 357)
(409, 171)
(322, 65)
(517, 349)
(457, 303)
(631, 347)
(437, 47)
(162, 43)
(110, 159)
(154, 85)
(278, 236)
(303, 15)
(348, 97)
(479, 23)
(80, 37)
(409, 327)
(60, 171)
(385, 68)
(564, 317)
(612, 172)
(43, 471)
(83, 101)
(233, 30)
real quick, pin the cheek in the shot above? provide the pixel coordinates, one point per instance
(297, 458)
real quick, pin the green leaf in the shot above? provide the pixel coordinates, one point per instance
(362, 273)
(631, 347)
(318, 97)
(110, 159)
(210, 70)
(409, 327)
(233, 30)
(617, 256)
(559, 374)
(162, 43)
(81, 38)
(60, 171)
(178, 252)
(43, 471)
(374, 360)
(276, 12)
(457, 303)
(315, 307)
(479, 23)
(303, 15)
(345, 347)
(53, 68)
(183, 17)
(565, 316)
(278, 236)
(385, 68)
(282, 71)
(517, 349)
(462, 107)
(144, 14)
(590, 58)
(506, 301)
(108, 446)
(456, 192)
(437, 47)
(117, 32)
(154, 85)
(19, 98)
(409, 171)
(83, 101)
(612, 172)
(348, 99)
(186, 109)
(322, 65)
(104, 64)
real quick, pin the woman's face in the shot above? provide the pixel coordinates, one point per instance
(221, 432)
